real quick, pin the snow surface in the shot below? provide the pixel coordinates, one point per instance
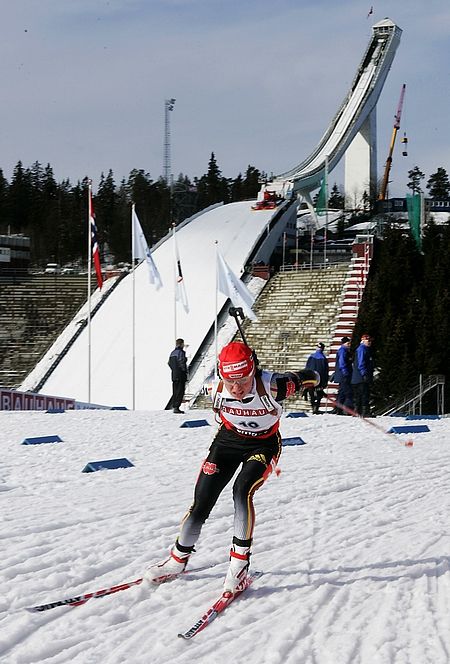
(352, 537)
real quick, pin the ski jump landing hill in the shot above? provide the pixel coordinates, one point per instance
(241, 235)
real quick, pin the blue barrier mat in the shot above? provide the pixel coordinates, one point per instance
(194, 423)
(300, 414)
(38, 440)
(292, 441)
(108, 464)
(411, 428)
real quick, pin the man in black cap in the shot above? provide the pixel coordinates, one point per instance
(343, 375)
(318, 362)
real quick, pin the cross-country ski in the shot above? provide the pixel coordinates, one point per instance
(220, 605)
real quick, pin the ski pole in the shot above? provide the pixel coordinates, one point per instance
(236, 313)
(350, 411)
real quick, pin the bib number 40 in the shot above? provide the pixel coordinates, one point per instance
(249, 424)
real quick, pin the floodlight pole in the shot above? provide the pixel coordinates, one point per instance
(168, 106)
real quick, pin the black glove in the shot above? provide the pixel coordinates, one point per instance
(308, 378)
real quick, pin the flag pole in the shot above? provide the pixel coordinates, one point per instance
(133, 324)
(174, 283)
(216, 313)
(89, 284)
(326, 214)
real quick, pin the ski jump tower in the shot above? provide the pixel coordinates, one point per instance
(352, 132)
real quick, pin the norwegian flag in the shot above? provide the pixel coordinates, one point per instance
(94, 243)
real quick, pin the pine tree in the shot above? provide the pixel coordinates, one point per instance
(336, 200)
(20, 199)
(4, 203)
(184, 199)
(251, 183)
(438, 184)
(212, 187)
(139, 192)
(119, 235)
(105, 201)
(415, 177)
(214, 181)
(50, 222)
(237, 189)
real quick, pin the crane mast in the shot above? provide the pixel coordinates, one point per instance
(387, 168)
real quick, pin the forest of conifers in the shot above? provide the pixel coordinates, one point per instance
(406, 307)
(54, 215)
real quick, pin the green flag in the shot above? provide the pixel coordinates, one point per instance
(414, 204)
(321, 202)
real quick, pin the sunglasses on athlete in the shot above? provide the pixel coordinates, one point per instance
(238, 381)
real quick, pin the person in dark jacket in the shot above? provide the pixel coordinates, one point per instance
(177, 363)
(318, 362)
(362, 376)
(343, 376)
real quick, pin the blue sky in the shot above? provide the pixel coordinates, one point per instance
(84, 83)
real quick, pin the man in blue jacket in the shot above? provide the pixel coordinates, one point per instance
(343, 376)
(362, 376)
(318, 362)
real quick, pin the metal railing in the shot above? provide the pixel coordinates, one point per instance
(412, 400)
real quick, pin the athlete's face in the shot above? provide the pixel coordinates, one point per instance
(240, 387)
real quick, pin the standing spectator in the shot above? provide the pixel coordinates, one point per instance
(177, 362)
(343, 376)
(318, 362)
(362, 376)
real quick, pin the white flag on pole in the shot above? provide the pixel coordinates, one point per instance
(232, 287)
(180, 288)
(141, 251)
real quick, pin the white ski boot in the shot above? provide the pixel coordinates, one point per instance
(238, 569)
(169, 569)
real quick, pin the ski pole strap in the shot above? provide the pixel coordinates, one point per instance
(262, 393)
(218, 398)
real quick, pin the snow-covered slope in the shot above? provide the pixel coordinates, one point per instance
(353, 539)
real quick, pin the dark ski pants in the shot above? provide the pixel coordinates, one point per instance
(227, 452)
(345, 393)
(361, 393)
(177, 393)
(316, 396)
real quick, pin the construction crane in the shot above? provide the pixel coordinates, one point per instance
(387, 168)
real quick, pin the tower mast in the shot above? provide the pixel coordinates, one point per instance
(167, 166)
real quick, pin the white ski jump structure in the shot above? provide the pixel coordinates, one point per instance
(352, 132)
(122, 349)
